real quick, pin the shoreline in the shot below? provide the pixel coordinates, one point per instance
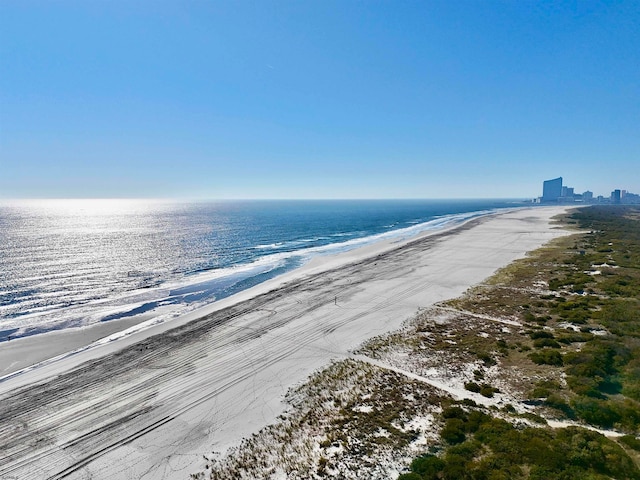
(23, 354)
(154, 407)
(167, 299)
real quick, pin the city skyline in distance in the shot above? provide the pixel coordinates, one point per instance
(554, 191)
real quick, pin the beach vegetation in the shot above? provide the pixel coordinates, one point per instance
(560, 404)
(574, 337)
(427, 466)
(488, 391)
(600, 354)
(631, 441)
(485, 447)
(590, 340)
(410, 476)
(546, 342)
(472, 387)
(544, 388)
(539, 334)
(547, 357)
(453, 431)
(532, 417)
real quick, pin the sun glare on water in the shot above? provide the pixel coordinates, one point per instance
(90, 207)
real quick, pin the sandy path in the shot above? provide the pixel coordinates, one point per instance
(154, 408)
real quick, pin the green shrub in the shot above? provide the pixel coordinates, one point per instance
(410, 476)
(455, 468)
(454, 412)
(488, 390)
(533, 418)
(467, 449)
(453, 431)
(540, 334)
(539, 392)
(546, 342)
(544, 388)
(631, 379)
(472, 387)
(595, 369)
(631, 442)
(575, 337)
(555, 284)
(427, 466)
(546, 357)
(556, 401)
(495, 449)
(595, 411)
(487, 359)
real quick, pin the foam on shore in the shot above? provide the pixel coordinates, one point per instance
(24, 354)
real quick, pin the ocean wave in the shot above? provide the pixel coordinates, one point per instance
(269, 246)
(65, 299)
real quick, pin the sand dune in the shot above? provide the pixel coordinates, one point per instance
(151, 406)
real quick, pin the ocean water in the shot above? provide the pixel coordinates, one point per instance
(69, 263)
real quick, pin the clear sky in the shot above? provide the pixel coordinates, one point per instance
(317, 99)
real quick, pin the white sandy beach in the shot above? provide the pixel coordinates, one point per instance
(151, 405)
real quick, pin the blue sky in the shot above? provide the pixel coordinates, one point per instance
(317, 99)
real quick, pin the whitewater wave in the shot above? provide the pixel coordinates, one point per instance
(162, 298)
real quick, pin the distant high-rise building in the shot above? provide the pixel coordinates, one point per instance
(587, 196)
(616, 195)
(630, 198)
(551, 190)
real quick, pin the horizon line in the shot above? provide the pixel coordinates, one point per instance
(233, 199)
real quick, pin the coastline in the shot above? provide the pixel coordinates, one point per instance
(26, 353)
(118, 281)
(207, 381)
